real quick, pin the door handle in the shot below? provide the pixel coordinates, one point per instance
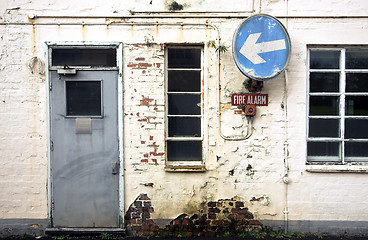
(114, 168)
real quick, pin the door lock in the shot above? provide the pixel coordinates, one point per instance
(114, 168)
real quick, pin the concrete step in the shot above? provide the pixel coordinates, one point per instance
(83, 231)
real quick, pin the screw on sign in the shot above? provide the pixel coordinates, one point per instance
(261, 47)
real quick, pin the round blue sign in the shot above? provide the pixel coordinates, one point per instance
(261, 47)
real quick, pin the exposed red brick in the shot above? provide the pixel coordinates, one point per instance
(211, 204)
(144, 197)
(142, 120)
(145, 228)
(144, 160)
(218, 222)
(146, 101)
(144, 65)
(143, 142)
(153, 145)
(206, 223)
(140, 59)
(234, 210)
(185, 222)
(154, 228)
(132, 65)
(151, 138)
(254, 222)
(146, 155)
(212, 216)
(157, 154)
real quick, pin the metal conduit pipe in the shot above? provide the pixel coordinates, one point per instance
(250, 122)
(165, 16)
(286, 143)
(286, 154)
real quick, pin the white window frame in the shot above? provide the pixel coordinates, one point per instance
(340, 159)
(185, 165)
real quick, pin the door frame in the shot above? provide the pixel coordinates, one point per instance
(119, 61)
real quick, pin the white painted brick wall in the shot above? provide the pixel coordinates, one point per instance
(23, 125)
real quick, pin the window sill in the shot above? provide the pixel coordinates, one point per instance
(337, 168)
(185, 168)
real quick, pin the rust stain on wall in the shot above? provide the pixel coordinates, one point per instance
(84, 31)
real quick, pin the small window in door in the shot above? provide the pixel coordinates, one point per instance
(83, 98)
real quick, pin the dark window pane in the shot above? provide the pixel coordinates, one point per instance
(356, 128)
(184, 58)
(323, 148)
(356, 105)
(324, 128)
(356, 82)
(184, 127)
(84, 57)
(83, 98)
(324, 59)
(357, 58)
(184, 151)
(184, 104)
(324, 106)
(356, 149)
(184, 81)
(324, 82)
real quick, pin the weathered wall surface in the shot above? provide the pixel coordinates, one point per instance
(253, 169)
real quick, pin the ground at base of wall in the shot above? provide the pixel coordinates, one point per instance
(250, 236)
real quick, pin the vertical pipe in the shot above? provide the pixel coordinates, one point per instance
(286, 143)
(286, 153)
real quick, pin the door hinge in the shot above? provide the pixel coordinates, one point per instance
(51, 145)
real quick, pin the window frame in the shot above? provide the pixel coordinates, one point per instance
(342, 71)
(83, 46)
(184, 165)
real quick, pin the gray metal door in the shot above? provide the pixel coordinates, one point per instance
(84, 149)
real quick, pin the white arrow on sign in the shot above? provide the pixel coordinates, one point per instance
(251, 49)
